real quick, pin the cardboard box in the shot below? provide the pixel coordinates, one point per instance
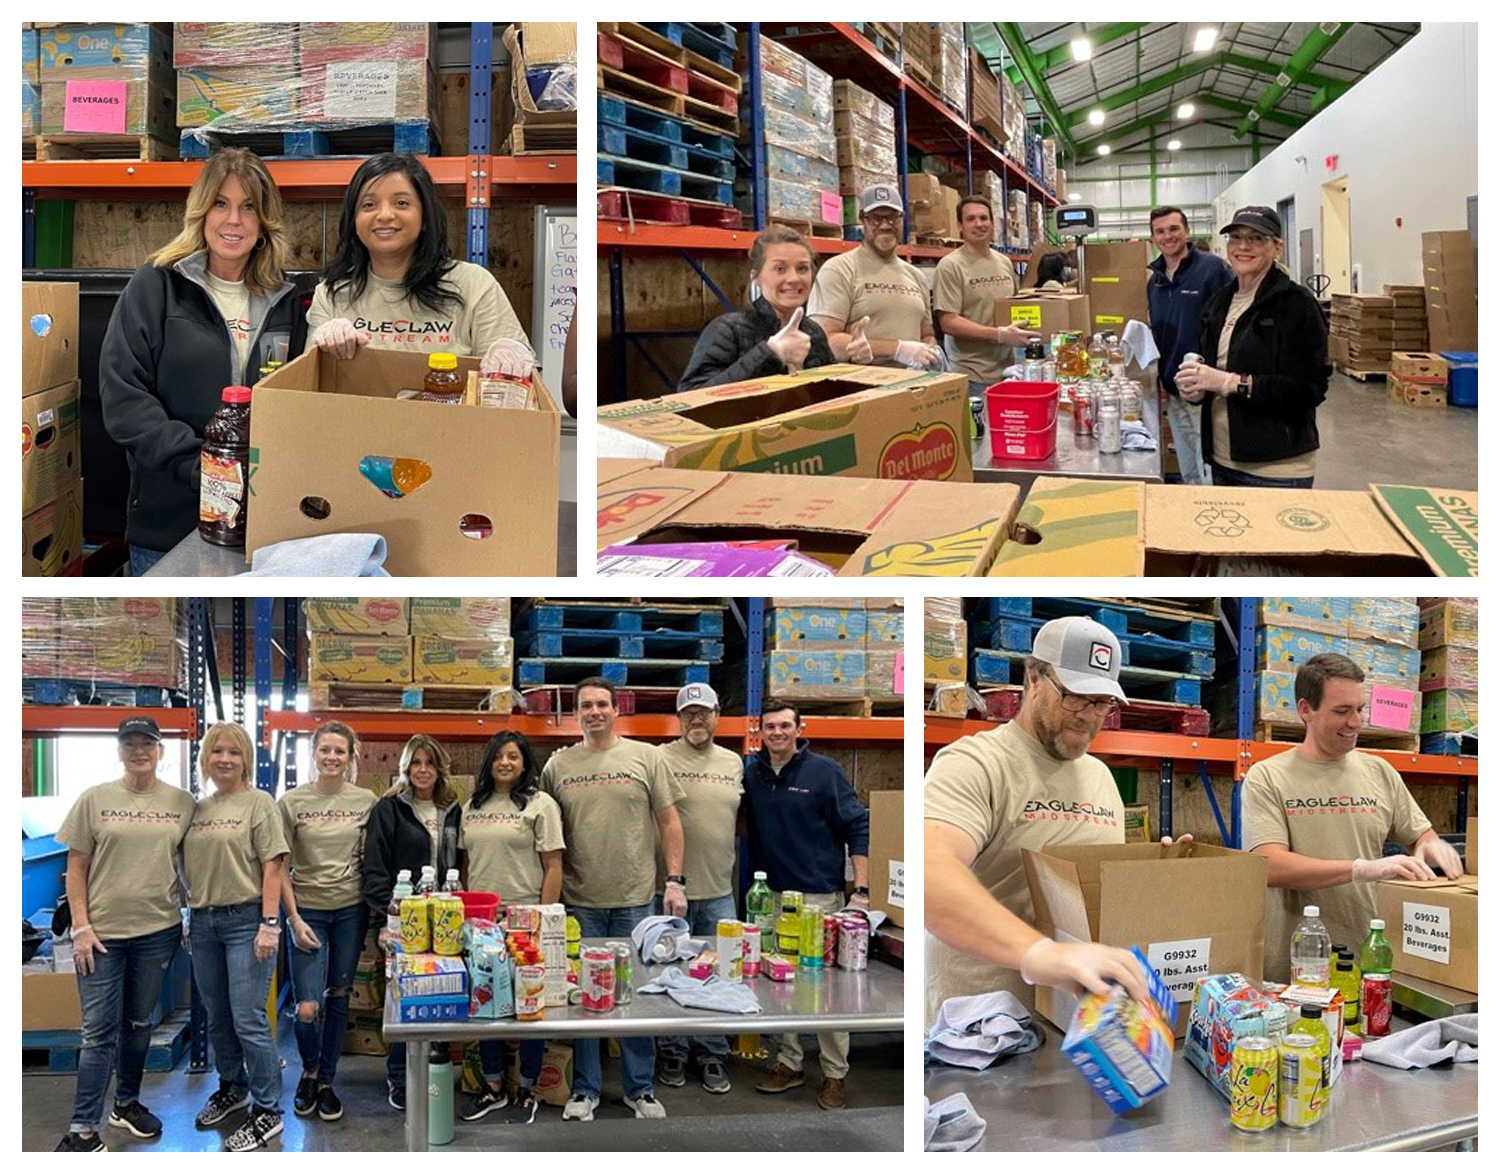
(815, 674)
(1448, 621)
(207, 44)
(106, 52)
(138, 106)
(482, 662)
(884, 628)
(239, 95)
(49, 1001)
(1116, 276)
(1045, 312)
(832, 420)
(317, 418)
(1390, 620)
(797, 627)
(860, 528)
(881, 674)
(1449, 710)
(1450, 667)
(1433, 928)
(1276, 703)
(125, 651)
(535, 45)
(49, 334)
(945, 641)
(1441, 524)
(320, 42)
(360, 92)
(358, 616)
(1076, 527)
(1202, 905)
(52, 536)
(1311, 614)
(361, 659)
(1387, 660)
(50, 432)
(1471, 846)
(461, 618)
(1278, 648)
(888, 854)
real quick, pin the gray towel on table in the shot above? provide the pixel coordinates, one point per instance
(1447, 1039)
(707, 993)
(951, 1125)
(978, 1031)
(338, 555)
(663, 939)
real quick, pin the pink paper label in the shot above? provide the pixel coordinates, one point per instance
(1390, 707)
(833, 207)
(94, 107)
(899, 687)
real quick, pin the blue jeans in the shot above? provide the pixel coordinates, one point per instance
(703, 916)
(315, 974)
(1186, 420)
(637, 1055)
(1236, 479)
(234, 986)
(117, 999)
(492, 1061)
(142, 559)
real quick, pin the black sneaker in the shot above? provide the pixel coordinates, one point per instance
(256, 1132)
(522, 1108)
(671, 1072)
(137, 1120)
(480, 1105)
(221, 1105)
(329, 1107)
(306, 1099)
(715, 1081)
(395, 1095)
(76, 1141)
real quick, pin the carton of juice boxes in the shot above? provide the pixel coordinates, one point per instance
(1227, 1007)
(1124, 1048)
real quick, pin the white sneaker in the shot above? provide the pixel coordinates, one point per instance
(646, 1107)
(581, 1108)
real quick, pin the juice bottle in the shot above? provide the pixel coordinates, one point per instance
(443, 383)
(1310, 1022)
(393, 920)
(223, 495)
(1115, 355)
(1098, 358)
(760, 906)
(1346, 980)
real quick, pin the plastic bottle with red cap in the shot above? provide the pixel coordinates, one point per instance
(224, 491)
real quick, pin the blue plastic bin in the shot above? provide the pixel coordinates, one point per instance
(1463, 377)
(44, 861)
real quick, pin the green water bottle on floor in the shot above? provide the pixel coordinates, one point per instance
(439, 1095)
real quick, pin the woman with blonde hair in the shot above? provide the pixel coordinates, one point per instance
(323, 895)
(233, 858)
(415, 825)
(206, 311)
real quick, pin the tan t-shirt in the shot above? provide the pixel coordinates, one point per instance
(402, 324)
(131, 841)
(1008, 793)
(1288, 469)
(893, 293)
(712, 780)
(326, 833)
(505, 844)
(969, 286)
(229, 841)
(1343, 809)
(609, 800)
(233, 300)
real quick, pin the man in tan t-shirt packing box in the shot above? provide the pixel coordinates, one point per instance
(1322, 812)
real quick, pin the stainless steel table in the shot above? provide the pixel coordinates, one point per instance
(1039, 1102)
(816, 1001)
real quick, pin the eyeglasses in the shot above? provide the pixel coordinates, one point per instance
(1072, 702)
(1250, 238)
(884, 219)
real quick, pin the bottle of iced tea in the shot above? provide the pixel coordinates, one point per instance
(223, 494)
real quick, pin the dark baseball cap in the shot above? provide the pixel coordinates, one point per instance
(1257, 219)
(142, 726)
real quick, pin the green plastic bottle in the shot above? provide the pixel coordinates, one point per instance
(1375, 983)
(760, 908)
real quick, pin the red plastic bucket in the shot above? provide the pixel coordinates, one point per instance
(1023, 420)
(480, 905)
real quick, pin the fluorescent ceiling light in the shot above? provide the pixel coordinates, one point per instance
(1186, 110)
(1204, 38)
(1096, 117)
(1103, 148)
(1082, 48)
(1175, 144)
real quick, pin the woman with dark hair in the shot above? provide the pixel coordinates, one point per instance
(394, 283)
(512, 842)
(1052, 270)
(774, 336)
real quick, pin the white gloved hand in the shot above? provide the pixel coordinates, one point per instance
(1440, 856)
(790, 344)
(339, 338)
(1014, 335)
(266, 940)
(303, 936)
(508, 357)
(859, 351)
(674, 900)
(1083, 968)
(1390, 867)
(918, 355)
(1167, 840)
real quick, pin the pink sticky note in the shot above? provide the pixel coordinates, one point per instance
(833, 207)
(899, 687)
(95, 107)
(1390, 707)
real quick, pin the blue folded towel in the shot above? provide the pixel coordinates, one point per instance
(708, 993)
(978, 1031)
(337, 555)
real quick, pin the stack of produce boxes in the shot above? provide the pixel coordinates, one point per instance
(945, 655)
(1450, 285)
(950, 78)
(359, 640)
(1017, 222)
(1049, 164)
(445, 641)
(1013, 116)
(865, 142)
(1061, 190)
(918, 46)
(802, 172)
(932, 206)
(355, 73)
(51, 463)
(1037, 214)
(815, 649)
(1418, 379)
(140, 641)
(1448, 635)
(885, 634)
(1408, 317)
(984, 98)
(462, 641)
(41, 631)
(107, 79)
(31, 83)
(1360, 331)
(236, 76)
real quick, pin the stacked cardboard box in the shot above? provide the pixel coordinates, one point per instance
(236, 75)
(1062, 184)
(353, 73)
(885, 634)
(1448, 634)
(933, 206)
(1049, 163)
(1116, 276)
(802, 161)
(1451, 286)
(945, 654)
(1408, 317)
(1360, 331)
(949, 73)
(1036, 214)
(543, 85)
(984, 98)
(865, 142)
(1013, 117)
(31, 83)
(102, 79)
(51, 466)
(1017, 221)
(453, 641)
(815, 652)
(1418, 380)
(122, 641)
(917, 50)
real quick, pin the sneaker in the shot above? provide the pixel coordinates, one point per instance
(581, 1108)
(480, 1105)
(221, 1105)
(646, 1107)
(522, 1108)
(329, 1107)
(671, 1072)
(256, 1132)
(305, 1102)
(715, 1081)
(77, 1141)
(395, 1095)
(137, 1120)
(831, 1097)
(780, 1078)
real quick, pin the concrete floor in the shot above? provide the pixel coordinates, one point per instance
(740, 1120)
(1367, 439)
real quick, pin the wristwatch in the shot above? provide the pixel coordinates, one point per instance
(1244, 386)
(270, 921)
(865, 891)
(680, 880)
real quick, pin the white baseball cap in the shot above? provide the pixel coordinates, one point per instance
(691, 694)
(1084, 654)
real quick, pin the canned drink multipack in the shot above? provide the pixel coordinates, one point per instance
(1122, 1047)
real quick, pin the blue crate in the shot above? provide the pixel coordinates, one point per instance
(1463, 377)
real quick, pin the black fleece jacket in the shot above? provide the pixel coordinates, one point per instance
(396, 840)
(733, 348)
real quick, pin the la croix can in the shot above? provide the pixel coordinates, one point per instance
(1254, 1066)
(751, 966)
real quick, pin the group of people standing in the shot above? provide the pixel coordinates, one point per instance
(615, 829)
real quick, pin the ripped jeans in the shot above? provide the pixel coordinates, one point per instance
(341, 932)
(117, 1000)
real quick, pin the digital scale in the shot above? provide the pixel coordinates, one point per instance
(1077, 220)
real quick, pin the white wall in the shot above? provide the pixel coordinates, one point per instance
(1407, 138)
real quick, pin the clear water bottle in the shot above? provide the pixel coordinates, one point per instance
(427, 884)
(1311, 947)
(450, 883)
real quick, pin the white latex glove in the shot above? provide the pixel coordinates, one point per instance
(266, 940)
(1014, 335)
(674, 900)
(1390, 867)
(508, 357)
(1083, 968)
(1167, 840)
(790, 344)
(918, 355)
(1198, 380)
(859, 902)
(859, 350)
(85, 943)
(303, 936)
(339, 338)
(1438, 855)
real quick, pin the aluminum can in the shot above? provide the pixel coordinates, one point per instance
(447, 925)
(597, 979)
(731, 955)
(752, 951)
(1107, 428)
(830, 940)
(854, 943)
(1375, 1005)
(1083, 410)
(810, 954)
(416, 932)
(1130, 402)
(1254, 1066)
(1301, 1095)
(624, 973)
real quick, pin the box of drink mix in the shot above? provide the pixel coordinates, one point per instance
(1124, 1048)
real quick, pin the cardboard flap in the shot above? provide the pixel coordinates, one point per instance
(1058, 896)
(1441, 524)
(1465, 883)
(631, 502)
(937, 530)
(1223, 520)
(614, 469)
(1077, 528)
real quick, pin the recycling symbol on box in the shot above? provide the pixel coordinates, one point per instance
(1222, 522)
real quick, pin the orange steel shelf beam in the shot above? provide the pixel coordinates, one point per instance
(1429, 765)
(50, 720)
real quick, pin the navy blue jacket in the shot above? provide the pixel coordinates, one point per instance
(1177, 303)
(801, 821)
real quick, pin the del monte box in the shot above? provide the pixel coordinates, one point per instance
(830, 421)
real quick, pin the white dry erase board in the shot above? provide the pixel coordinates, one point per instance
(555, 289)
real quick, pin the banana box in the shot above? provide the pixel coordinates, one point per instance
(207, 44)
(461, 618)
(359, 659)
(136, 106)
(884, 626)
(1450, 667)
(358, 616)
(228, 96)
(880, 674)
(1278, 648)
(1390, 620)
(817, 626)
(1076, 528)
(482, 662)
(945, 641)
(817, 675)
(41, 622)
(1388, 660)
(356, 40)
(105, 52)
(1330, 615)
(1449, 710)
(1276, 700)
(1453, 621)
(139, 641)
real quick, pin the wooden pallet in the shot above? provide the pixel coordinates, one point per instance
(630, 142)
(811, 228)
(938, 242)
(52, 692)
(56, 1051)
(656, 179)
(138, 147)
(28, 147)
(710, 39)
(709, 80)
(615, 644)
(409, 137)
(1368, 738)
(619, 84)
(1361, 375)
(559, 614)
(620, 672)
(541, 140)
(409, 697)
(643, 207)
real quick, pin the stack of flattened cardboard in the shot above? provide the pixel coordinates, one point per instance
(1451, 286)
(1359, 334)
(1408, 317)
(984, 98)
